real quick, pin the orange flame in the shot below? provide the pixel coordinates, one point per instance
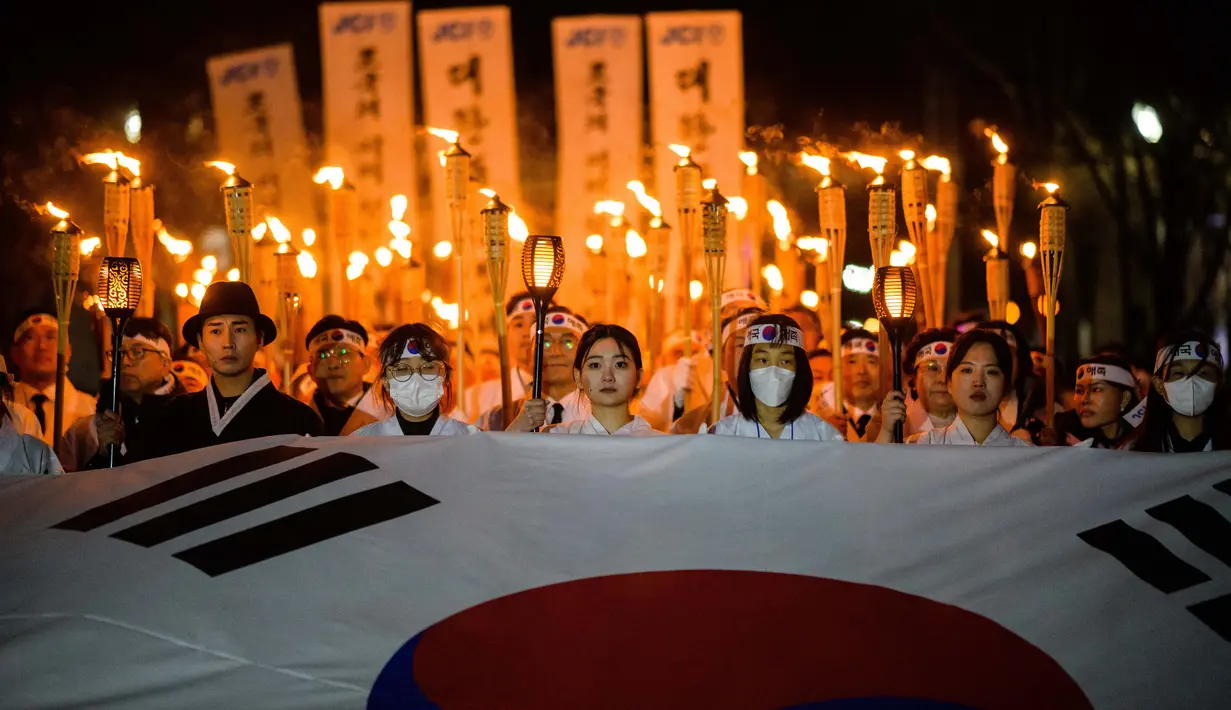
(650, 204)
(992, 238)
(397, 206)
(331, 174)
(782, 223)
(445, 133)
(228, 168)
(738, 206)
(681, 150)
(998, 143)
(1051, 187)
(89, 244)
(864, 160)
(487, 192)
(749, 159)
(54, 211)
(709, 183)
(816, 162)
(906, 155)
(939, 164)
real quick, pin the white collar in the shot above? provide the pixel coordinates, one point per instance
(219, 422)
(167, 386)
(957, 433)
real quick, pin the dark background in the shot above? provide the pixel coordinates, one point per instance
(1148, 234)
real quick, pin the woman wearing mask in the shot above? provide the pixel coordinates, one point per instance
(1187, 407)
(607, 371)
(416, 383)
(774, 386)
(978, 373)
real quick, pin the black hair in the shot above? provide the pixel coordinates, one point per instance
(819, 352)
(151, 328)
(333, 321)
(917, 343)
(1157, 426)
(513, 301)
(1024, 366)
(746, 311)
(434, 348)
(624, 338)
(857, 333)
(971, 338)
(801, 387)
(1117, 361)
(182, 352)
(809, 314)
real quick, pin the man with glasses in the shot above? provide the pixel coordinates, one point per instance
(561, 402)
(337, 362)
(146, 383)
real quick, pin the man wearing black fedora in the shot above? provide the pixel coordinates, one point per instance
(239, 402)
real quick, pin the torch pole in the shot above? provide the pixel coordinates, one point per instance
(237, 201)
(496, 240)
(831, 207)
(1052, 237)
(688, 202)
(882, 231)
(142, 225)
(946, 223)
(457, 182)
(66, 266)
(714, 231)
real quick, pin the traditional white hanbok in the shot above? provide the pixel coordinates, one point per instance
(808, 427)
(956, 434)
(444, 426)
(592, 427)
(25, 453)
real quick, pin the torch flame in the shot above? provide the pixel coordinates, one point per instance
(309, 237)
(89, 244)
(709, 183)
(445, 133)
(518, 231)
(991, 238)
(681, 150)
(1029, 250)
(1051, 187)
(820, 245)
(930, 211)
(650, 204)
(773, 277)
(258, 232)
(864, 160)
(935, 162)
(694, 290)
(737, 206)
(594, 243)
(228, 168)
(384, 256)
(330, 174)
(233, 274)
(810, 299)
(401, 246)
(611, 207)
(130, 164)
(307, 265)
(399, 230)
(818, 163)
(179, 249)
(749, 159)
(782, 223)
(897, 258)
(198, 292)
(357, 257)
(209, 262)
(634, 243)
(55, 211)
(487, 192)
(907, 155)
(443, 249)
(181, 289)
(998, 143)
(282, 235)
(397, 206)
(907, 249)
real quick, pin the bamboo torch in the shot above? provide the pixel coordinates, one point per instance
(141, 219)
(1053, 214)
(882, 235)
(658, 249)
(496, 246)
(287, 269)
(997, 277)
(714, 230)
(343, 214)
(945, 223)
(688, 203)
(914, 209)
(612, 214)
(1004, 175)
(754, 191)
(831, 208)
(640, 292)
(117, 198)
(65, 266)
(237, 202)
(457, 199)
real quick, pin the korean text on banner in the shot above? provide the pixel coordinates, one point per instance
(369, 110)
(259, 120)
(599, 122)
(466, 70)
(697, 100)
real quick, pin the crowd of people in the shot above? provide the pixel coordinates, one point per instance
(971, 385)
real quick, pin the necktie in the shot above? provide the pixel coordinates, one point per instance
(862, 424)
(557, 413)
(38, 401)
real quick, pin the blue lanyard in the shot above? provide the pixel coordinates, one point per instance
(767, 433)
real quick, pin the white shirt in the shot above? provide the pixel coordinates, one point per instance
(956, 434)
(808, 427)
(490, 395)
(444, 426)
(660, 392)
(853, 413)
(76, 405)
(918, 420)
(24, 453)
(591, 427)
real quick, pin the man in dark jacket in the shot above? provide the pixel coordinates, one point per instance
(239, 402)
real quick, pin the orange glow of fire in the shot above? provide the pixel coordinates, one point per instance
(89, 244)
(54, 211)
(681, 150)
(907, 155)
(939, 164)
(749, 159)
(306, 264)
(782, 223)
(818, 163)
(737, 206)
(611, 207)
(1051, 187)
(397, 206)
(1029, 250)
(518, 231)
(651, 205)
(634, 244)
(228, 168)
(709, 183)
(487, 192)
(179, 249)
(863, 160)
(282, 235)
(445, 133)
(330, 174)
(992, 238)
(931, 216)
(258, 232)
(998, 144)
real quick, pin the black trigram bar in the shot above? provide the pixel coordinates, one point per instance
(1224, 486)
(1144, 556)
(1200, 523)
(227, 505)
(183, 484)
(307, 527)
(1216, 614)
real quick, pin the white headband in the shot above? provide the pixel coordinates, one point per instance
(934, 351)
(1098, 372)
(566, 322)
(772, 334)
(190, 368)
(740, 295)
(739, 324)
(860, 346)
(337, 335)
(35, 320)
(417, 348)
(525, 305)
(1137, 414)
(160, 345)
(1192, 350)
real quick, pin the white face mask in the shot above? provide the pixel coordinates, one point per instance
(417, 396)
(1190, 396)
(771, 385)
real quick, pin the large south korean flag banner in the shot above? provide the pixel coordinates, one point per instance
(522, 571)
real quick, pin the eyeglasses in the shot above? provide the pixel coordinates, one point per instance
(403, 372)
(342, 355)
(567, 342)
(133, 354)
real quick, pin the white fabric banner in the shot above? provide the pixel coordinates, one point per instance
(503, 570)
(366, 63)
(697, 100)
(467, 77)
(259, 121)
(598, 65)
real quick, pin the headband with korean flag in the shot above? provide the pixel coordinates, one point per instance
(860, 346)
(567, 322)
(34, 321)
(1100, 372)
(337, 336)
(774, 334)
(1192, 350)
(419, 348)
(739, 324)
(934, 351)
(740, 295)
(523, 305)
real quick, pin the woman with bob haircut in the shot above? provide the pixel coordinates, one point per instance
(607, 370)
(774, 386)
(978, 373)
(1186, 410)
(416, 382)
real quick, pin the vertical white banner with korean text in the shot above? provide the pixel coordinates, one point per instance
(259, 121)
(598, 65)
(466, 71)
(369, 112)
(697, 100)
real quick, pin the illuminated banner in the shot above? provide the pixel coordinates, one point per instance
(259, 122)
(599, 124)
(697, 100)
(369, 112)
(467, 80)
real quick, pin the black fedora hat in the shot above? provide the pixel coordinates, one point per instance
(229, 298)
